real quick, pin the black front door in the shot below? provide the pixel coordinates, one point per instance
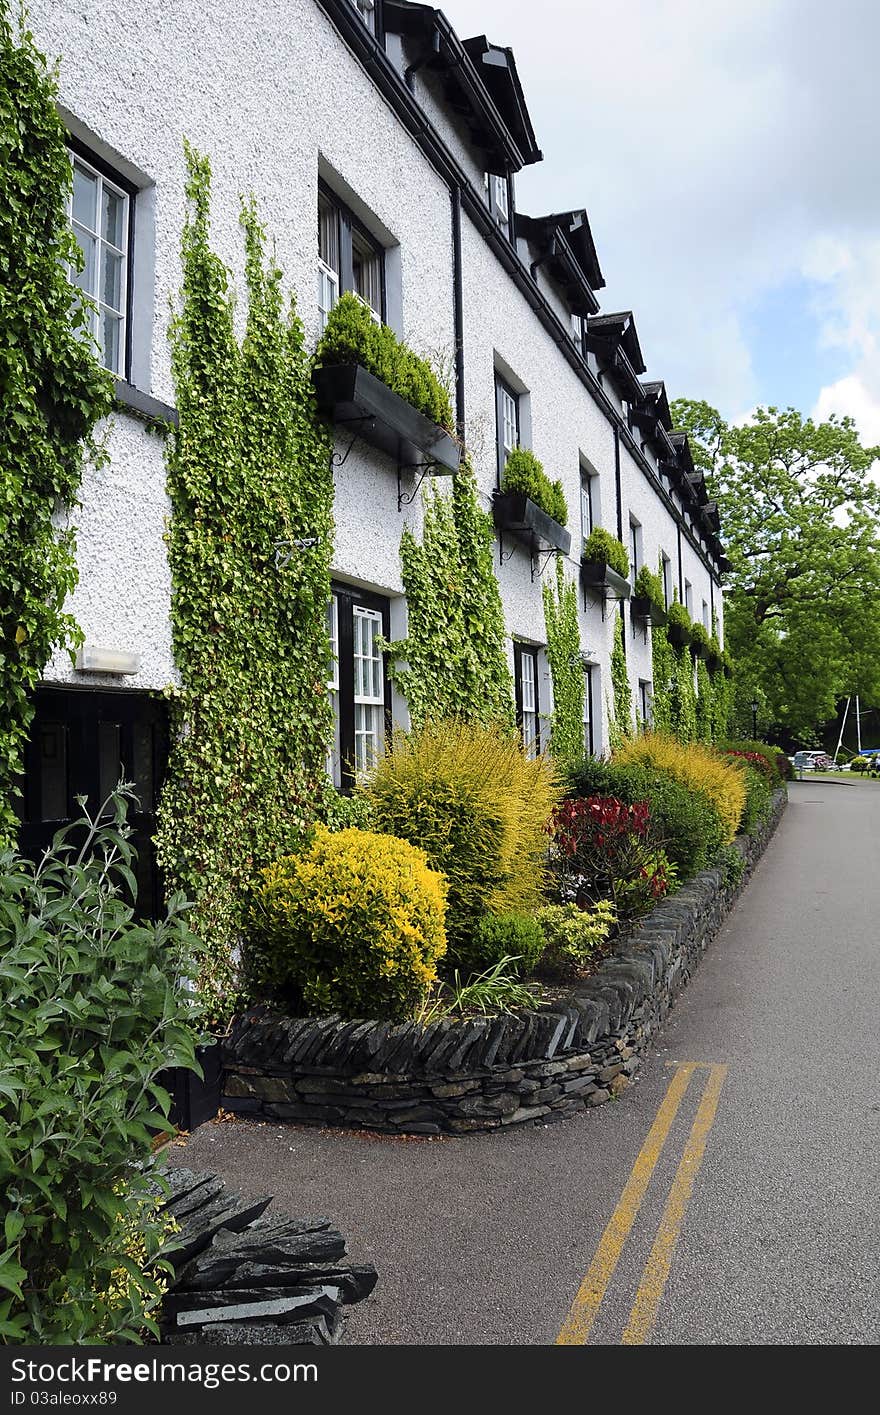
(82, 744)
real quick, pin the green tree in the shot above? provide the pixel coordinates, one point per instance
(799, 515)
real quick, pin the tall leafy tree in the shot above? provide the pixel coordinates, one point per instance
(799, 509)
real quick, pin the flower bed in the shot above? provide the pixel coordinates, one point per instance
(456, 1076)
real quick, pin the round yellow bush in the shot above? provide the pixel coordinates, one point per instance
(696, 767)
(354, 924)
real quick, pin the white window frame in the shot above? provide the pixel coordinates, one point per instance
(588, 509)
(666, 576)
(367, 11)
(689, 597)
(372, 702)
(635, 546)
(93, 322)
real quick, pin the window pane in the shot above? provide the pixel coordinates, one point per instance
(367, 271)
(53, 772)
(113, 223)
(85, 197)
(328, 234)
(111, 280)
(328, 291)
(111, 341)
(87, 278)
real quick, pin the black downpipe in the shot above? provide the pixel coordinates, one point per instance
(458, 309)
(680, 567)
(711, 600)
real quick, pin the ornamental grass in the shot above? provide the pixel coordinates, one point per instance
(697, 767)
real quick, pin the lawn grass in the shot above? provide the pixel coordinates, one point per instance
(852, 778)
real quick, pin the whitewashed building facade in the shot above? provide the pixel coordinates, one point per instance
(382, 151)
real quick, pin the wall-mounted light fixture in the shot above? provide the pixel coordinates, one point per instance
(94, 660)
(284, 550)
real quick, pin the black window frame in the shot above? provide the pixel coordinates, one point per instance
(646, 699)
(521, 651)
(589, 744)
(80, 149)
(379, 32)
(348, 597)
(346, 223)
(666, 577)
(636, 550)
(501, 385)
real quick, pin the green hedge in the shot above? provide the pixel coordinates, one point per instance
(648, 585)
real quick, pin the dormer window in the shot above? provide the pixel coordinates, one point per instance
(498, 199)
(367, 11)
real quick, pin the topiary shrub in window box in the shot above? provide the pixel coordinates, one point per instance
(679, 626)
(699, 641)
(605, 565)
(647, 602)
(530, 506)
(367, 378)
(524, 473)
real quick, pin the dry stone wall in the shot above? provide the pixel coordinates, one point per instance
(455, 1076)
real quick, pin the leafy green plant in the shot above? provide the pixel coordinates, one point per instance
(453, 661)
(620, 717)
(54, 395)
(340, 812)
(497, 990)
(679, 616)
(353, 924)
(96, 1004)
(524, 473)
(732, 865)
(498, 936)
(683, 821)
(248, 474)
(759, 795)
(704, 706)
(566, 670)
(649, 585)
(605, 549)
(573, 936)
(352, 336)
(700, 638)
(695, 767)
(468, 795)
(860, 764)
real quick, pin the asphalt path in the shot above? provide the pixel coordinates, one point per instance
(753, 1220)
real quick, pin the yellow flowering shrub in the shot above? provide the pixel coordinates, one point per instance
(697, 767)
(354, 924)
(470, 797)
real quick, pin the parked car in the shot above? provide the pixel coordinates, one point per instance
(811, 761)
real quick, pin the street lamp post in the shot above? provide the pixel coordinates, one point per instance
(754, 719)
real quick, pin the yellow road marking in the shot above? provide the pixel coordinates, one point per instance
(582, 1314)
(653, 1283)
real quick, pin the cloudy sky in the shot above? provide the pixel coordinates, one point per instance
(728, 154)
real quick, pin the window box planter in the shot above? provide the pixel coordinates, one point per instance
(193, 1100)
(522, 518)
(354, 399)
(713, 662)
(679, 635)
(647, 612)
(699, 649)
(598, 578)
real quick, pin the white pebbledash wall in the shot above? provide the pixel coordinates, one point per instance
(271, 94)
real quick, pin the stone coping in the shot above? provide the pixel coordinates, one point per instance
(456, 1075)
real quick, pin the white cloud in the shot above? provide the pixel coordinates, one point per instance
(721, 152)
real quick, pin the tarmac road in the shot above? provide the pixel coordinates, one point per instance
(738, 1205)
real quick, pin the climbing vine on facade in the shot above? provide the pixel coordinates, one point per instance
(704, 714)
(54, 393)
(662, 670)
(249, 546)
(683, 699)
(620, 717)
(566, 670)
(453, 661)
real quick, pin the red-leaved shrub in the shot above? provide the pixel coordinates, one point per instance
(601, 848)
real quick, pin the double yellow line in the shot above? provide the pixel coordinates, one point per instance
(585, 1307)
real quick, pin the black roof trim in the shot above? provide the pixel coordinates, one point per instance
(497, 68)
(620, 328)
(555, 253)
(657, 401)
(573, 228)
(504, 132)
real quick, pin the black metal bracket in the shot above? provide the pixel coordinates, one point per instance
(502, 558)
(536, 566)
(339, 461)
(426, 468)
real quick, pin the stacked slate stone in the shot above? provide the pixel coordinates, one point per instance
(244, 1279)
(457, 1075)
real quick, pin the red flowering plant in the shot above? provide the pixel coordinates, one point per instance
(756, 760)
(602, 848)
